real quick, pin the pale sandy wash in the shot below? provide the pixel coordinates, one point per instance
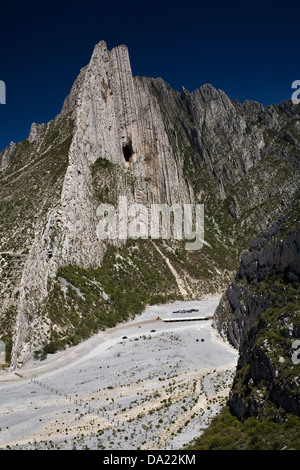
(151, 390)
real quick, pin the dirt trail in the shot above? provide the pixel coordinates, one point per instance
(75, 353)
(112, 391)
(180, 282)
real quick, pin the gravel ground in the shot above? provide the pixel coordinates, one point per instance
(146, 384)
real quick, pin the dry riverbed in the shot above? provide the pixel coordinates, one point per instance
(146, 384)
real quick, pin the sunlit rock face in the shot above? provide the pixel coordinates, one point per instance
(119, 135)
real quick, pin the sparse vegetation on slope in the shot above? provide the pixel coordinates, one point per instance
(81, 302)
(226, 432)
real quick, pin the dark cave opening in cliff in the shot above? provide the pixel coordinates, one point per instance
(128, 151)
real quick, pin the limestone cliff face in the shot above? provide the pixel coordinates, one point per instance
(119, 135)
(119, 120)
(115, 119)
(222, 127)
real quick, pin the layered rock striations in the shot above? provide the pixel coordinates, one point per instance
(119, 135)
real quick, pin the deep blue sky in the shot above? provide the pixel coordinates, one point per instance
(248, 49)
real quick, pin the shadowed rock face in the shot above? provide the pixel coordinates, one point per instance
(260, 314)
(271, 254)
(159, 145)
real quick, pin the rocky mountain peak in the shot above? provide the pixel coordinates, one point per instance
(119, 135)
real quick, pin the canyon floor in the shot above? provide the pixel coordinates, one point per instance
(145, 384)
